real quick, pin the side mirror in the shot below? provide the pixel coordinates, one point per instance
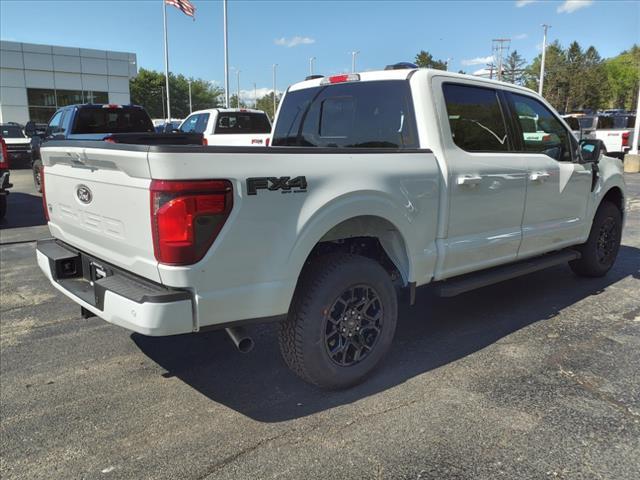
(590, 150)
(30, 129)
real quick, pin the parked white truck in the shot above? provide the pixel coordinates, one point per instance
(229, 126)
(376, 183)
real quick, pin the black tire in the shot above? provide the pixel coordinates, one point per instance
(37, 165)
(320, 306)
(601, 248)
(3, 206)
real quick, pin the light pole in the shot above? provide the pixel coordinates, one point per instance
(255, 96)
(353, 60)
(166, 57)
(238, 94)
(544, 53)
(311, 60)
(275, 66)
(226, 56)
(190, 104)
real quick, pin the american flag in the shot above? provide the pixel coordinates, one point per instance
(184, 6)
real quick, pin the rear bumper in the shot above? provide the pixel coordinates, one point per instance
(118, 297)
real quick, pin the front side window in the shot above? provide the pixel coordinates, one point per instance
(195, 123)
(549, 135)
(475, 118)
(376, 114)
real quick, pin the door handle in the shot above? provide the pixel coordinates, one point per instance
(469, 179)
(539, 176)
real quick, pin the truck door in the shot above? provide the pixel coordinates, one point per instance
(486, 178)
(557, 186)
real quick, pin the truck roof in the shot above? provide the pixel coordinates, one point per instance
(404, 74)
(227, 110)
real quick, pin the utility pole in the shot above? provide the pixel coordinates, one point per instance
(311, 60)
(226, 55)
(255, 96)
(275, 65)
(544, 53)
(190, 104)
(238, 94)
(500, 45)
(353, 60)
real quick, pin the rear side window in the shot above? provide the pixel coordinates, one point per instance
(348, 115)
(605, 123)
(573, 123)
(196, 123)
(242, 122)
(112, 120)
(475, 118)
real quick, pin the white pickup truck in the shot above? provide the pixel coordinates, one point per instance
(376, 183)
(615, 131)
(229, 126)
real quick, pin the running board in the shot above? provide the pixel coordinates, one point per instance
(471, 281)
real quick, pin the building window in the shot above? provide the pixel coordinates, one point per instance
(43, 102)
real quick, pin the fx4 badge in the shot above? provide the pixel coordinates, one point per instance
(286, 184)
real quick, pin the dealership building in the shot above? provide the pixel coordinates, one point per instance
(35, 80)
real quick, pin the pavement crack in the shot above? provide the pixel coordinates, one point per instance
(595, 391)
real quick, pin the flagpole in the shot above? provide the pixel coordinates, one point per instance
(226, 56)
(166, 57)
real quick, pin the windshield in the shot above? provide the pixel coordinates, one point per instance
(112, 120)
(349, 115)
(242, 122)
(11, 131)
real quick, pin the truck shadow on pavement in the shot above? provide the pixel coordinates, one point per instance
(435, 332)
(23, 210)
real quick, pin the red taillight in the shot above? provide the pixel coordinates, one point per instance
(4, 160)
(186, 217)
(109, 139)
(625, 139)
(205, 142)
(347, 77)
(44, 195)
(268, 141)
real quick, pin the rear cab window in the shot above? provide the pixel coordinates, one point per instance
(111, 120)
(11, 131)
(370, 114)
(242, 122)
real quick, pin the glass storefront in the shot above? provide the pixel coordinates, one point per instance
(43, 102)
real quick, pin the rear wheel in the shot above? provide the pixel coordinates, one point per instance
(601, 248)
(341, 322)
(37, 175)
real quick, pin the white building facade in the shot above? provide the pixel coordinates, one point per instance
(35, 80)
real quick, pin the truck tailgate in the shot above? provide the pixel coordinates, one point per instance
(98, 201)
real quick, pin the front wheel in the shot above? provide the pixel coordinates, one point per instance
(341, 321)
(601, 248)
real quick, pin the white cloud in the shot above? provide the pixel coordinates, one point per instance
(520, 36)
(570, 6)
(294, 41)
(248, 96)
(522, 3)
(477, 61)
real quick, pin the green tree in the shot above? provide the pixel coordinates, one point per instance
(425, 60)
(148, 90)
(233, 102)
(623, 75)
(555, 85)
(265, 104)
(514, 68)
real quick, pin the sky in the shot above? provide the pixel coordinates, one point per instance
(288, 33)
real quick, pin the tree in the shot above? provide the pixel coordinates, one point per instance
(265, 104)
(425, 60)
(148, 90)
(623, 75)
(554, 78)
(514, 68)
(233, 102)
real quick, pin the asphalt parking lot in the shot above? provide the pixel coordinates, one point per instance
(538, 377)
